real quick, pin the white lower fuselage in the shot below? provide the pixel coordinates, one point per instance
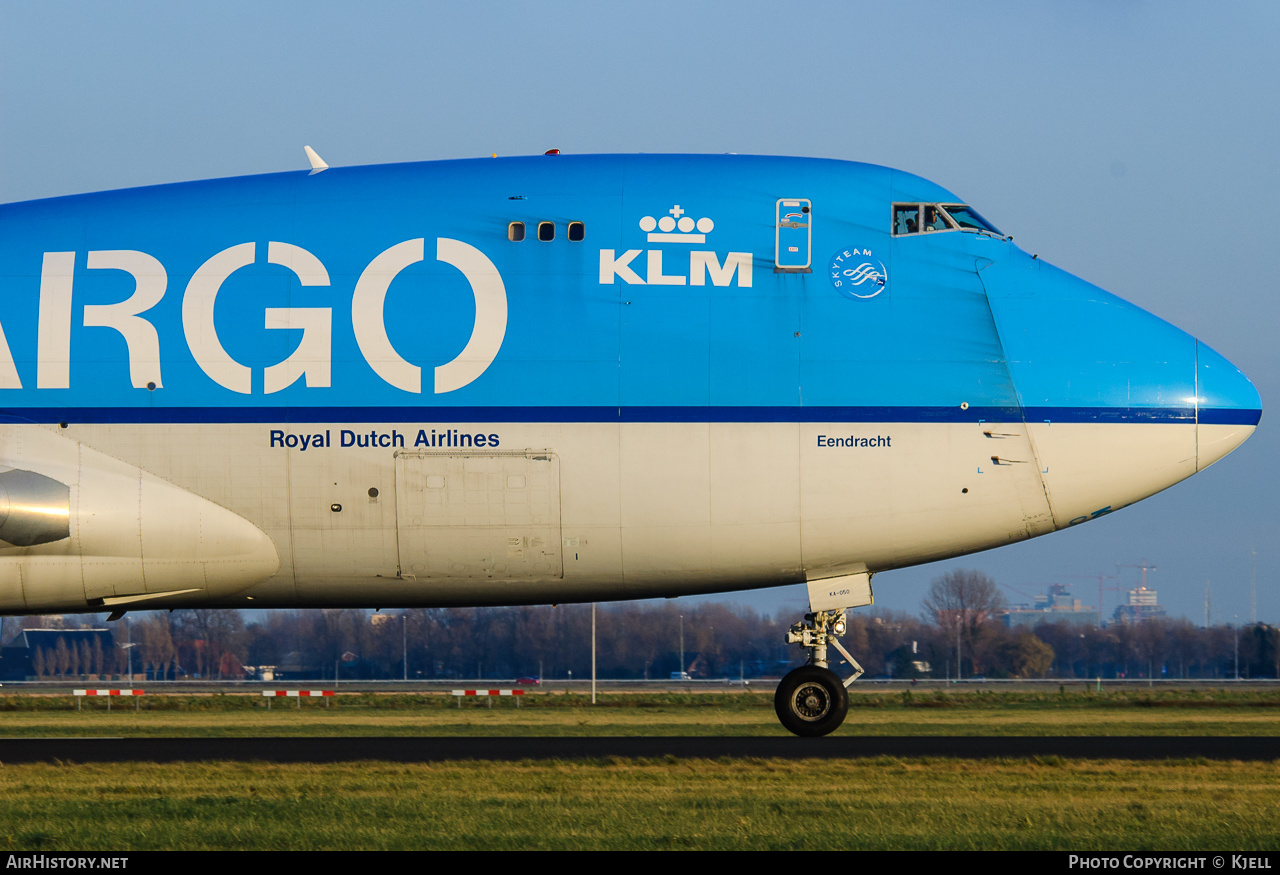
(554, 512)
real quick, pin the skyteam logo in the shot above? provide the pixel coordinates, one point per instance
(856, 273)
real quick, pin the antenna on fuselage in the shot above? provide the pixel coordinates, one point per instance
(317, 163)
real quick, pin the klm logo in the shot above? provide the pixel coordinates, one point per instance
(675, 227)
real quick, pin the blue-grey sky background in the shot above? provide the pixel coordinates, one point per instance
(1131, 143)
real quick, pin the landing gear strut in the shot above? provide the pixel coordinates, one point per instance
(812, 700)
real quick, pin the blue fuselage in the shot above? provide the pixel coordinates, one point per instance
(670, 328)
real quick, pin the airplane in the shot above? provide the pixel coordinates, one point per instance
(562, 378)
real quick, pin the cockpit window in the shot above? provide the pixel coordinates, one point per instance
(928, 218)
(968, 217)
(906, 219)
(936, 219)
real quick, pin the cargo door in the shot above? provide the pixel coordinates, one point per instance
(493, 516)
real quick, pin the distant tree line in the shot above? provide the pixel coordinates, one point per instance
(70, 661)
(632, 641)
(959, 628)
(963, 609)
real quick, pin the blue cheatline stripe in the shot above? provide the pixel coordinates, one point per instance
(1229, 416)
(1111, 414)
(247, 415)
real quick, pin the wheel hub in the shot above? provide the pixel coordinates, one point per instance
(812, 702)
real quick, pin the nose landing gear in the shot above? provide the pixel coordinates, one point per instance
(812, 700)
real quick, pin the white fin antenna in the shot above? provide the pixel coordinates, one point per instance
(317, 163)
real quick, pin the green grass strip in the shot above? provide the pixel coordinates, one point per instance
(637, 804)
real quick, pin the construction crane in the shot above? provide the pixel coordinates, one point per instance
(1100, 578)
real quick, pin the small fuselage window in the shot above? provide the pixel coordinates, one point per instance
(546, 231)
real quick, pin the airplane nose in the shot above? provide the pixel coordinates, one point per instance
(1228, 407)
(1119, 404)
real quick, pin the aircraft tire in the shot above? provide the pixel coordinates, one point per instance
(811, 701)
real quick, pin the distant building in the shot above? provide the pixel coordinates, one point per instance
(1142, 605)
(1056, 606)
(58, 653)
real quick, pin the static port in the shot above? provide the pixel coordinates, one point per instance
(336, 508)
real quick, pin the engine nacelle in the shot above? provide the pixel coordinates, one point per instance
(83, 531)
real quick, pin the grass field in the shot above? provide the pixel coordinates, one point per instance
(1176, 712)
(692, 804)
(1045, 803)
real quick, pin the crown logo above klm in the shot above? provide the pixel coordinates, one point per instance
(664, 230)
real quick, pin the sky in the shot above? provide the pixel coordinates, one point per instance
(1130, 143)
